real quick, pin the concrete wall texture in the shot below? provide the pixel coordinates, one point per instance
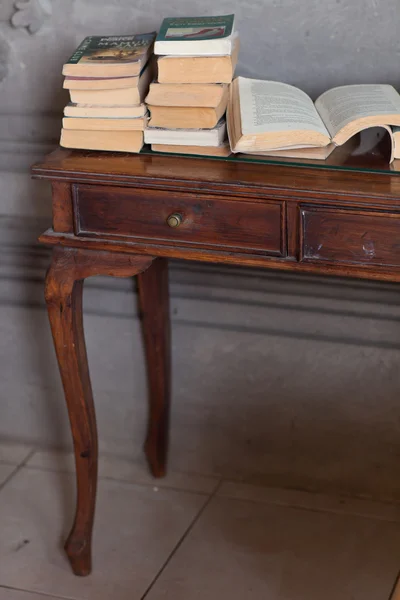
(278, 379)
(315, 44)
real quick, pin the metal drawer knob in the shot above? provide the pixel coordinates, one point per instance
(174, 220)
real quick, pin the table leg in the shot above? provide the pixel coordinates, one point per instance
(64, 285)
(154, 308)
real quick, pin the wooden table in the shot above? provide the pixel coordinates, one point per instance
(125, 215)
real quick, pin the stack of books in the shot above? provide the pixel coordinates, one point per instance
(108, 78)
(196, 62)
(276, 119)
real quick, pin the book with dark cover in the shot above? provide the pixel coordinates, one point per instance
(110, 56)
(191, 36)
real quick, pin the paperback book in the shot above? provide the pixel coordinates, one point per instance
(196, 36)
(113, 141)
(268, 115)
(222, 151)
(110, 56)
(90, 111)
(182, 94)
(199, 69)
(125, 96)
(187, 137)
(187, 117)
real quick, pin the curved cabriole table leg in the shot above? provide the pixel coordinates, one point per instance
(64, 285)
(154, 308)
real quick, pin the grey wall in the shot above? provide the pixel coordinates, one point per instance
(276, 378)
(315, 44)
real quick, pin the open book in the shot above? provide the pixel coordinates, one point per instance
(266, 116)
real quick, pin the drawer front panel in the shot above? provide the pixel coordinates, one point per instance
(349, 236)
(205, 220)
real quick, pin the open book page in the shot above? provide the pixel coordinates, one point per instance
(396, 142)
(393, 142)
(269, 106)
(342, 105)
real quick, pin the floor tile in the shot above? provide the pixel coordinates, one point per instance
(52, 460)
(111, 467)
(311, 501)
(5, 471)
(136, 530)
(14, 454)
(245, 551)
(9, 594)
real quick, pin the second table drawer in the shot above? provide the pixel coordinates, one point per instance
(344, 235)
(200, 219)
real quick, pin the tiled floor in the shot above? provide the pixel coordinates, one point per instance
(189, 537)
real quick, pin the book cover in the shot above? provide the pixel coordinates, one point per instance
(196, 28)
(113, 49)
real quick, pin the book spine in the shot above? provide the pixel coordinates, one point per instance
(80, 51)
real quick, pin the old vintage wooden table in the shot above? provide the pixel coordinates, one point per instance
(125, 215)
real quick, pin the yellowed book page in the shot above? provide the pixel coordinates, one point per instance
(119, 141)
(342, 105)
(271, 106)
(396, 143)
(199, 150)
(187, 94)
(308, 153)
(108, 124)
(93, 111)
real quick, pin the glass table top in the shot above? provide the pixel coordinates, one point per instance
(369, 151)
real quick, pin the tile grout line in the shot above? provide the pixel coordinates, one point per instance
(220, 481)
(33, 593)
(182, 539)
(312, 509)
(134, 482)
(107, 455)
(17, 468)
(291, 505)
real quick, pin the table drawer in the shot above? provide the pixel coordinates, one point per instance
(206, 220)
(350, 236)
